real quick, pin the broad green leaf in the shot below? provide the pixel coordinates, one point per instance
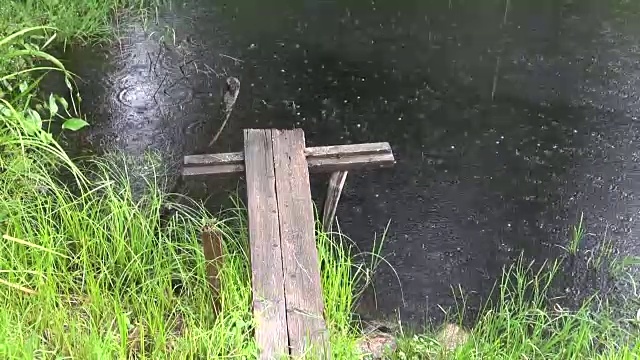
(5, 111)
(53, 107)
(33, 122)
(74, 124)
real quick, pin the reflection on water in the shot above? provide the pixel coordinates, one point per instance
(506, 122)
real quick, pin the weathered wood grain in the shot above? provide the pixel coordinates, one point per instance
(212, 245)
(303, 290)
(319, 159)
(351, 162)
(215, 159)
(346, 150)
(287, 291)
(265, 245)
(334, 190)
(223, 169)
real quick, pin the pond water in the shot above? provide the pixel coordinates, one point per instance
(507, 120)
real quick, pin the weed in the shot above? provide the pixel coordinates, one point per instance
(577, 234)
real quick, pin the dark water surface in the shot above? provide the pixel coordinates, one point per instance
(506, 123)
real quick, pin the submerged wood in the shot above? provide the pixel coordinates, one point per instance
(229, 97)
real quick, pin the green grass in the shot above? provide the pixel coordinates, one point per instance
(91, 270)
(76, 20)
(577, 234)
(103, 273)
(524, 323)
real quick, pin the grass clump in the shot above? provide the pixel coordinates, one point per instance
(88, 268)
(524, 323)
(114, 280)
(76, 20)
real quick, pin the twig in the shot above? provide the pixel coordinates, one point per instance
(496, 71)
(211, 70)
(155, 63)
(158, 89)
(228, 101)
(231, 57)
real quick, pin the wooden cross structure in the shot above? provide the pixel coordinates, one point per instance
(287, 295)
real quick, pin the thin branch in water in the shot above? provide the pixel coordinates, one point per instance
(228, 101)
(231, 57)
(495, 78)
(155, 63)
(211, 70)
(496, 71)
(158, 89)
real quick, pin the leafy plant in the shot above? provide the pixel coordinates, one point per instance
(20, 76)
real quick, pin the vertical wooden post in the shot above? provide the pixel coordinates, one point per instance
(212, 244)
(334, 190)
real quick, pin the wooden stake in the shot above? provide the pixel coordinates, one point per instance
(212, 244)
(334, 190)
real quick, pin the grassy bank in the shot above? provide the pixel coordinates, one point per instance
(102, 275)
(525, 323)
(76, 20)
(96, 270)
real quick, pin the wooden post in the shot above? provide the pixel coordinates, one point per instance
(334, 190)
(212, 244)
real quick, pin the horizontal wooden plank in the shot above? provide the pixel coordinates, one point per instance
(319, 159)
(215, 159)
(225, 169)
(354, 162)
(346, 150)
(265, 246)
